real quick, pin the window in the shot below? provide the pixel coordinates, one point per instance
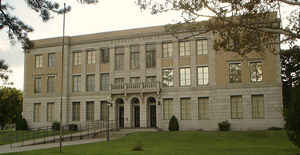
(167, 78)
(167, 49)
(51, 60)
(76, 83)
(167, 109)
(150, 56)
(134, 79)
(184, 48)
(185, 76)
(104, 55)
(90, 111)
(186, 108)
(257, 106)
(256, 71)
(119, 58)
(201, 47)
(236, 107)
(37, 85)
(90, 82)
(76, 58)
(50, 112)
(203, 108)
(119, 83)
(104, 111)
(104, 84)
(235, 72)
(91, 57)
(151, 79)
(76, 111)
(51, 84)
(36, 112)
(134, 57)
(202, 75)
(38, 61)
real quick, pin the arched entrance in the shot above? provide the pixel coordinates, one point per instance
(135, 104)
(151, 109)
(120, 110)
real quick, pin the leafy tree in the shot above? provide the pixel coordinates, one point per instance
(17, 30)
(173, 124)
(4, 72)
(242, 26)
(11, 101)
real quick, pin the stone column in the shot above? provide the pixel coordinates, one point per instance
(176, 63)
(83, 70)
(143, 113)
(193, 64)
(97, 110)
(127, 114)
(97, 74)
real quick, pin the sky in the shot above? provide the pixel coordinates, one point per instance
(107, 15)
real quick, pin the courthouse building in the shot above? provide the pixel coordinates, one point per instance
(150, 75)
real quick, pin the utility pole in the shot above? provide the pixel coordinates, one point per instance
(61, 82)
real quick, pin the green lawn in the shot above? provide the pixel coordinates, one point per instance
(186, 143)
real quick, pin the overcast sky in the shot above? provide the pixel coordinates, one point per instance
(107, 15)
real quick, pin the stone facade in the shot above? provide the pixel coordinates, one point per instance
(149, 97)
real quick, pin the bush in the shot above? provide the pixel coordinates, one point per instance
(73, 127)
(224, 126)
(173, 124)
(21, 124)
(55, 126)
(138, 146)
(273, 128)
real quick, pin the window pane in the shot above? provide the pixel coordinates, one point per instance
(51, 84)
(203, 108)
(50, 112)
(186, 108)
(76, 111)
(167, 109)
(104, 85)
(150, 56)
(38, 85)
(90, 82)
(167, 49)
(119, 58)
(90, 111)
(236, 107)
(104, 55)
(91, 57)
(185, 76)
(51, 60)
(37, 112)
(134, 57)
(257, 106)
(256, 71)
(235, 72)
(167, 77)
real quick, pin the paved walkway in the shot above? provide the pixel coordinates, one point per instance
(115, 135)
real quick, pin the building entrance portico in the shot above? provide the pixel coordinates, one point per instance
(151, 112)
(120, 112)
(135, 110)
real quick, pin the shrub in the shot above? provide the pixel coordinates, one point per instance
(55, 126)
(21, 124)
(224, 126)
(73, 127)
(274, 128)
(173, 124)
(138, 146)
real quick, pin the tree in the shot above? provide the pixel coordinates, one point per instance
(17, 30)
(4, 72)
(11, 101)
(290, 72)
(242, 26)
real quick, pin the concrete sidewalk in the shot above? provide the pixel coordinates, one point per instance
(114, 135)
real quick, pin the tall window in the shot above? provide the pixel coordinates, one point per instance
(167, 77)
(236, 107)
(50, 112)
(202, 75)
(51, 84)
(258, 106)
(167, 108)
(256, 71)
(76, 111)
(36, 112)
(90, 82)
(203, 108)
(186, 108)
(51, 60)
(104, 55)
(91, 57)
(184, 48)
(76, 83)
(201, 47)
(37, 84)
(38, 61)
(134, 79)
(119, 58)
(235, 72)
(167, 49)
(134, 57)
(150, 56)
(185, 76)
(104, 111)
(151, 79)
(76, 58)
(104, 81)
(90, 111)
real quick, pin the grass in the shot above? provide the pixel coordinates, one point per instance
(185, 143)
(10, 136)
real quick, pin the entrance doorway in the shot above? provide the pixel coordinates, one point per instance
(152, 112)
(136, 112)
(120, 109)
